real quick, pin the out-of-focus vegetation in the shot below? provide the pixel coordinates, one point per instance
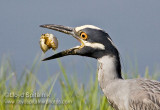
(28, 93)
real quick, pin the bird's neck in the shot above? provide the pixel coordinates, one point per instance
(109, 69)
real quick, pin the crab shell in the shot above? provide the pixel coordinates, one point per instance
(48, 41)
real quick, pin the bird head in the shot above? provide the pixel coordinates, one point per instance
(95, 42)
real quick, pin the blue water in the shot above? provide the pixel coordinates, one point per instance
(134, 27)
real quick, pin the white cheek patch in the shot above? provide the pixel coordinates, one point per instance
(86, 26)
(94, 45)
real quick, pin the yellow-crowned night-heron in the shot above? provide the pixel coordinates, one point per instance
(130, 94)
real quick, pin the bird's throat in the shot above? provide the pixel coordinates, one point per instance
(109, 69)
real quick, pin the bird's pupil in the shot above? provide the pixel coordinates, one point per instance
(83, 36)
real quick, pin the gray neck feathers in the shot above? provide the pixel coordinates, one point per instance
(109, 69)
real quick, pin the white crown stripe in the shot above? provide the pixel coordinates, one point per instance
(86, 26)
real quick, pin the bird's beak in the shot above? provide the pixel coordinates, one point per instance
(66, 30)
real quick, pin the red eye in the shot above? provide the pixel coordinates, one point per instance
(84, 36)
